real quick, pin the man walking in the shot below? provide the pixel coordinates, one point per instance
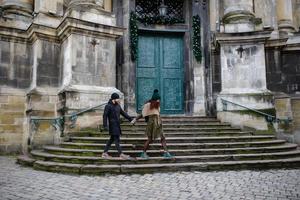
(111, 114)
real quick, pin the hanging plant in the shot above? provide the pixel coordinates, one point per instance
(133, 28)
(197, 38)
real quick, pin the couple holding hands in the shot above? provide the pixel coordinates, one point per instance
(151, 113)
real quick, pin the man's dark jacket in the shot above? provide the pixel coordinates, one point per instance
(112, 114)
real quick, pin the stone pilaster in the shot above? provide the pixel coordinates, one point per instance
(243, 72)
(214, 15)
(88, 59)
(238, 16)
(285, 16)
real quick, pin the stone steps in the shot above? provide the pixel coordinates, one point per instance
(198, 143)
(126, 134)
(179, 125)
(177, 145)
(174, 129)
(139, 140)
(40, 155)
(160, 167)
(176, 152)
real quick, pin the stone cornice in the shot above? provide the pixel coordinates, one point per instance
(68, 26)
(279, 43)
(73, 25)
(248, 37)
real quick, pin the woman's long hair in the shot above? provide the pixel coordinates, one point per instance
(154, 104)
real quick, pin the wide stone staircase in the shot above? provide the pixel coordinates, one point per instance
(198, 143)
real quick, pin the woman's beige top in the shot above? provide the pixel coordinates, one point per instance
(147, 111)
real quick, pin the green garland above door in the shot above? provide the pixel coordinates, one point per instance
(197, 38)
(133, 28)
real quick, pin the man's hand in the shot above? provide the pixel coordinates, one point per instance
(133, 121)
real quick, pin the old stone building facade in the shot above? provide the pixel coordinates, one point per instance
(61, 56)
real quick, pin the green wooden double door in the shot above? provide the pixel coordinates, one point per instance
(160, 66)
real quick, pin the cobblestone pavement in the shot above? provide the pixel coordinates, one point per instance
(18, 182)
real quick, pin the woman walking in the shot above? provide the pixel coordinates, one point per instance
(151, 112)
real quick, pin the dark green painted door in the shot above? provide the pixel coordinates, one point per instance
(160, 65)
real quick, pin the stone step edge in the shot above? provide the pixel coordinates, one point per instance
(183, 128)
(281, 147)
(270, 142)
(41, 153)
(166, 167)
(177, 124)
(181, 138)
(127, 133)
(143, 139)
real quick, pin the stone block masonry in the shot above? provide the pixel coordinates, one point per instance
(12, 112)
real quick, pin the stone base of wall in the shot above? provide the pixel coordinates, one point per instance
(288, 107)
(244, 120)
(41, 102)
(74, 99)
(12, 106)
(242, 117)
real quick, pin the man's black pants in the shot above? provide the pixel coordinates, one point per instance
(116, 139)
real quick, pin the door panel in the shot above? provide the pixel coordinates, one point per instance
(160, 65)
(147, 70)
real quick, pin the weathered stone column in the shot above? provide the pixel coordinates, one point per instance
(238, 16)
(13, 8)
(285, 16)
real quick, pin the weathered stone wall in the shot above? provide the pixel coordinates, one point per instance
(296, 11)
(288, 107)
(15, 76)
(40, 102)
(15, 64)
(48, 66)
(12, 113)
(93, 61)
(295, 103)
(243, 73)
(283, 71)
(266, 10)
(53, 50)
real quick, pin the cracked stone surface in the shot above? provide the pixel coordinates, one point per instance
(18, 182)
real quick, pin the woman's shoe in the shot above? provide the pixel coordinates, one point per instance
(167, 155)
(144, 155)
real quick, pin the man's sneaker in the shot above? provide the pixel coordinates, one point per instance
(144, 155)
(124, 156)
(105, 155)
(167, 155)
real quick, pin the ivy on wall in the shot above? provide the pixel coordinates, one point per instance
(133, 36)
(197, 38)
